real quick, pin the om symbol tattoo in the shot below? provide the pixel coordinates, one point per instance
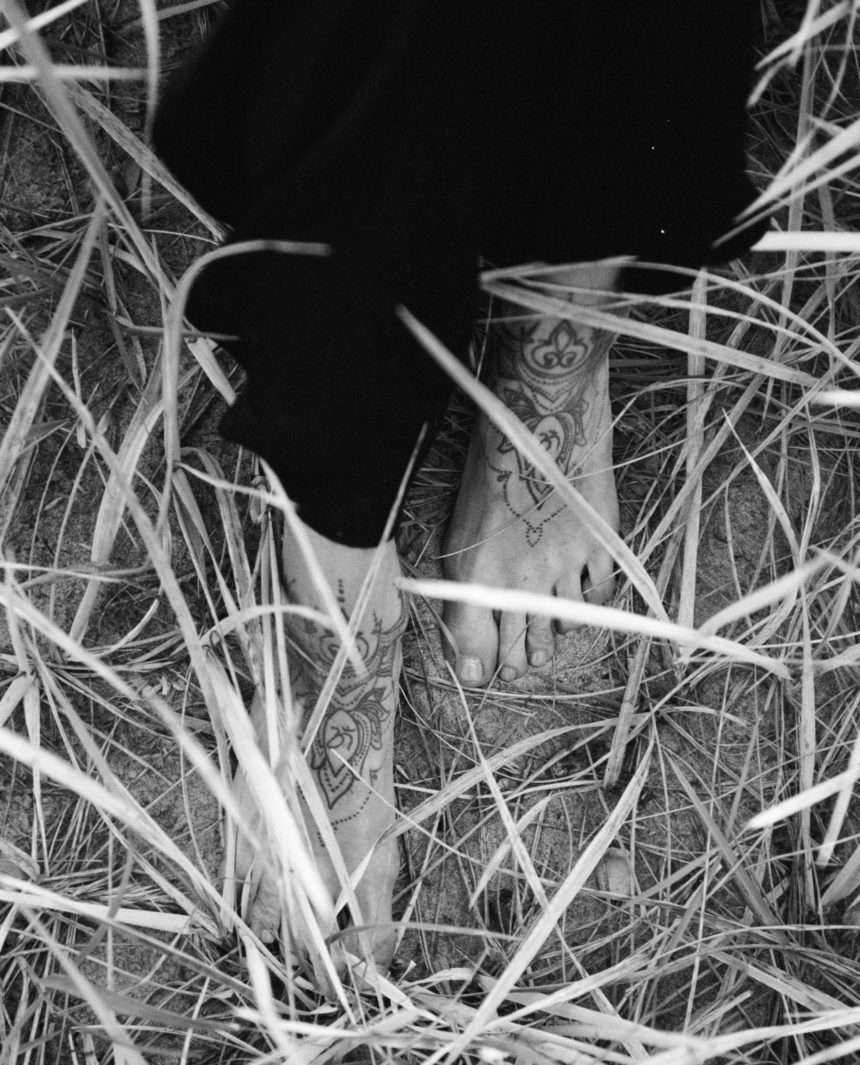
(361, 709)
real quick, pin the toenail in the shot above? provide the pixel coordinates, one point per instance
(508, 673)
(538, 658)
(471, 670)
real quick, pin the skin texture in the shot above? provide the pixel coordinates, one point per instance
(508, 528)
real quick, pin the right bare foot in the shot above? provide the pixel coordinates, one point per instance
(351, 754)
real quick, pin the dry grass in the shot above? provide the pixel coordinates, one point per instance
(649, 852)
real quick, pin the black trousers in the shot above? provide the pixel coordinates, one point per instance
(413, 136)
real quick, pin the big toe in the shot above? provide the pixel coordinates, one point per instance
(471, 642)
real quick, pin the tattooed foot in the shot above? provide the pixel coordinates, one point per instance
(509, 529)
(350, 755)
(357, 835)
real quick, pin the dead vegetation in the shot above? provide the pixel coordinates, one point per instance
(646, 852)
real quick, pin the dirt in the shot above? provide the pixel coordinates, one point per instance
(550, 734)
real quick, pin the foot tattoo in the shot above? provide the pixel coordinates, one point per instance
(350, 744)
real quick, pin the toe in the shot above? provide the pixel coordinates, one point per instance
(374, 894)
(539, 642)
(600, 582)
(379, 943)
(472, 643)
(257, 897)
(512, 646)
(569, 588)
(380, 937)
(264, 916)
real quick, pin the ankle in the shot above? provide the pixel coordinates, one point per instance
(594, 283)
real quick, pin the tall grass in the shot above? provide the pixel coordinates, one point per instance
(649, 852)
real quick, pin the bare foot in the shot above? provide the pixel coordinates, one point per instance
(351, 753)
(509, 529)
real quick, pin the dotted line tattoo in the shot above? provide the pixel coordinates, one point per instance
(352, 736)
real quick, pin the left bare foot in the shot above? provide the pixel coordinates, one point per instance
(509, 529)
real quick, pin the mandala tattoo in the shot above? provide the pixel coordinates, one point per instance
(542, 380)
(357, 722)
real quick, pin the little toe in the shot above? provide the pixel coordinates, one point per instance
(380, 936)
(379, 943)
(569, 588)
(374, 894)
(512, 646)
(599, 584)
(540, 642)
(472, 643)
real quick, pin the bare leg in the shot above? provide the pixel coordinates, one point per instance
(351, 755)
(508, 528)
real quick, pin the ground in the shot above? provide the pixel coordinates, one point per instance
(581, 833)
